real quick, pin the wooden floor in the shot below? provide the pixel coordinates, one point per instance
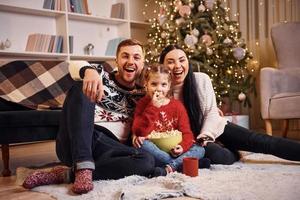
(28, 155)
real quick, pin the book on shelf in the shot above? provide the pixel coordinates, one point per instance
(71, 40)
(78, 6)
(52, 4)
(112, 46)
(117, 11)
(39, 42)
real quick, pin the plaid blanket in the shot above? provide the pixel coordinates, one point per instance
(35, 84)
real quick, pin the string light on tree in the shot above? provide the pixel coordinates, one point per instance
(212, 40)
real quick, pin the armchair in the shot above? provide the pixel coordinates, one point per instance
(280, 87)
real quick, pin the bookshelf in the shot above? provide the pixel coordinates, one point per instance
(21, 18)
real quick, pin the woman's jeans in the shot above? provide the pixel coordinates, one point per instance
(236, 138)
(163, 158)
(80, 143)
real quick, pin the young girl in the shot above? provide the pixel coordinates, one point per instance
(159, 112)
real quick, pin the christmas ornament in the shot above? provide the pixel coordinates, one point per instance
(177, 4)
(242, 96)
(163, 35)
(195, 32)
(206, 39)
(227, 41)
(201, 8)
(209, 51)
(162, 19)
(179, 21)
(192, 5)
(239, 53)
(190, 40)
(209, 4)
(184, 11)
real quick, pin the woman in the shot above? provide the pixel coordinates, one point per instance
(221, 139)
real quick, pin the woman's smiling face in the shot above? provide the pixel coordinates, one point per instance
(178, 63)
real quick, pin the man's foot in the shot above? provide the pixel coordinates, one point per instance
(83, 181)
(204, 163)
(159, 171)
(55, 176)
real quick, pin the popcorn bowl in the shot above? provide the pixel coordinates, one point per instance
(166, 140)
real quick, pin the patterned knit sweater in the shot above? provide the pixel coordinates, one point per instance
(172, 116)
(115, 110)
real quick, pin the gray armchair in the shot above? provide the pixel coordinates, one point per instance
(280, 87)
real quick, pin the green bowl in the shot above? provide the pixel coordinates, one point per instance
(167, 143)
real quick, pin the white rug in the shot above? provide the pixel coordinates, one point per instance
(259, 181)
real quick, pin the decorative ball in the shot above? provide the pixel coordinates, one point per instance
(162, 19)
(209, 51)
(184, 11)
(201, 8)
(242, 96)
(209, 4)
(171, 28)
(178, 3)
(239, 53)
(190, 40)
(195, 32)
(179, 21)
(163, 34)
(192, 5)
(206, 39)
(227, 41)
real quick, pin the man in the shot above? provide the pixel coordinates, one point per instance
(96, 122)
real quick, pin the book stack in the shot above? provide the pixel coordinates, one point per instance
(44, 43)
(78, 6)
(52, 4)
(112, 46)
(117, 11)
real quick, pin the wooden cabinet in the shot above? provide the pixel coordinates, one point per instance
(19, 19)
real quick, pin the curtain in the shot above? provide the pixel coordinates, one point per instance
(256, 17)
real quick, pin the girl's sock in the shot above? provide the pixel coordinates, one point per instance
(55, 176)
(83, 181)
(169, 169)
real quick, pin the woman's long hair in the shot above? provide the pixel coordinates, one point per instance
(191, 99)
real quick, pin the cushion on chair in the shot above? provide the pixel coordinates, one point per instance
(285, 106)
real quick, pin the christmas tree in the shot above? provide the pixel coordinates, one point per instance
(212, 41)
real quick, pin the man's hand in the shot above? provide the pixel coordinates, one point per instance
(92, 85)
(138, 141)
(176, 151)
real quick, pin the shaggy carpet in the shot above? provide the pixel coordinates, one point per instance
(256, 177)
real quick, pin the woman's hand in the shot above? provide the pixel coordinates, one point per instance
(159, 100)
(176, 151)
(92, 85)
(138, 141)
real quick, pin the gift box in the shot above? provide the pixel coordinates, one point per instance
(241, 120)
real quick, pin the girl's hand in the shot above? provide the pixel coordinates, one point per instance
(159, 100)
(176, 151)
(138, 141)
(92, 85)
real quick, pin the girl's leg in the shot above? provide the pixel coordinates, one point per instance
(239, 138)
(161, 157)
(195, 151)
(115, 160)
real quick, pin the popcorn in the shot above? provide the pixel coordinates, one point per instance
(165, 134)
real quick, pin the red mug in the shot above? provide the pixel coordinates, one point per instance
(190, 166)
